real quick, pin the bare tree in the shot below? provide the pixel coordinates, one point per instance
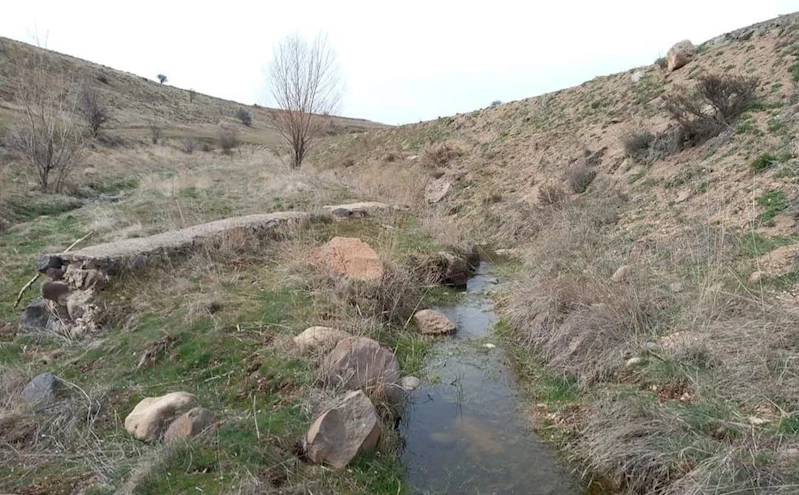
(304, 83)
(47, 136)
(162, 78)
(92, 108)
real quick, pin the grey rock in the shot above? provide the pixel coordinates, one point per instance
(341, 213)
(42, 390)
(36, 318)
(47, 261)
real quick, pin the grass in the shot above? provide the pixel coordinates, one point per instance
(774, 202)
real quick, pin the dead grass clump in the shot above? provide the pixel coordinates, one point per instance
(188, 145)
(579, 177)
(228, 138)
(439, 155)
(637, 144)
(550, 195)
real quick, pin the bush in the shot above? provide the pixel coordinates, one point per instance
(763, 162)
(228, 138)
(244, 116)
(662, 62)
(550, 195)
(439, 155)
(711, 106)
(156, 132)
(93, 110)
(579, 177)
(207, 147)
(162, 78)
(496, 103)
(636, 145)
(189, 145)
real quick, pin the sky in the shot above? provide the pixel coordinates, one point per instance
(402, 62)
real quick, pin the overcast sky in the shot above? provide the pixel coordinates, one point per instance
(403, 61)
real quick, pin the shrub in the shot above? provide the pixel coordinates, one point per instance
(228, 138)
(636, 145)
(662, 62)
(156, 132)
(496, 103)
(189, 145)
(763, 162)
(440, 155)
(162, 78)
(550, 195)
(579, 177)
(711, 106)
(244, 116)
(207, 147)
(93, 110)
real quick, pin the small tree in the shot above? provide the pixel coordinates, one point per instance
(162, 78)
(244, 116)
(304, 83)
(93, 110)
(47, 137)
(228, 138)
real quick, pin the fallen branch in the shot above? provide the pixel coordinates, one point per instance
(36, 277)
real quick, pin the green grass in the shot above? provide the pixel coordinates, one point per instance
(754, 244)
(763, 162)
(774, 202)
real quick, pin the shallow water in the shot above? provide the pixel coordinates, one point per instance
(465, 430)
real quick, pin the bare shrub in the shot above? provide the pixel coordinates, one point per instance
(579, 177)
(228, 138)
(207, 147)
(304, 83)
(439, 155)
(189, 145)
(496, 103)
(47, 137)
(662, 63)
(244, 117)
(711, 106)
(156, 132)
(636, 144)
(92, 108)
(550, 195)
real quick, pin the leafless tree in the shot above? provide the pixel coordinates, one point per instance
(305, 85)
(47, 136)
(92, 108)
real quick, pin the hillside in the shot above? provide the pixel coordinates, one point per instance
(654, 311)
(635, 237)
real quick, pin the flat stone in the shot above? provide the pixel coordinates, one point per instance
(432, 322)
(48, 261)
(190, 424)
(340, 433)
(43, 389)
(437, 189)
(359, 210)
(320, 337)
(148, 418)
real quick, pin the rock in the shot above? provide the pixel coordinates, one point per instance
(36, 318)
(56, 292)
(676, 287)
(436, 190)
(756, 277)
(340, 433)
(47, 261)
(451, 269)
(622, 274)
(511, 253)
(190, 424)
(360, 363)
(4, 224)
(633, 361)
(350, 257)
(432, 322)
(149, 417)
(680, 54)
(489, 345)
(683, 196)
(360, 210)
(320, 337)
(43, 389)
(637, 76)
(340, 213)
(110, 198)
(409, 383)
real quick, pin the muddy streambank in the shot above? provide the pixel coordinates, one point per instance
(465, 429)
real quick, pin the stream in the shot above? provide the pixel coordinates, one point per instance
(465, 429)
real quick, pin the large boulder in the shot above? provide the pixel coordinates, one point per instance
(340, 433)
(349, 257)
(680, 54)
(148, 418)
(320, 337)
(432, 322)
(43, 389)
(361, 363)
(190, 424)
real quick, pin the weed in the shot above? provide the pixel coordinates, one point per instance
(763, 162)
(774, 202)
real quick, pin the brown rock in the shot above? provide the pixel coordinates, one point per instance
(680, 54)
(622, 274)
(756, 277)
(432, 322)
(361, 363)
(340, 433)
(148, 418)
(436, 190)
(320, 337)
(350, 257)
(190, 424)
(55, 291)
